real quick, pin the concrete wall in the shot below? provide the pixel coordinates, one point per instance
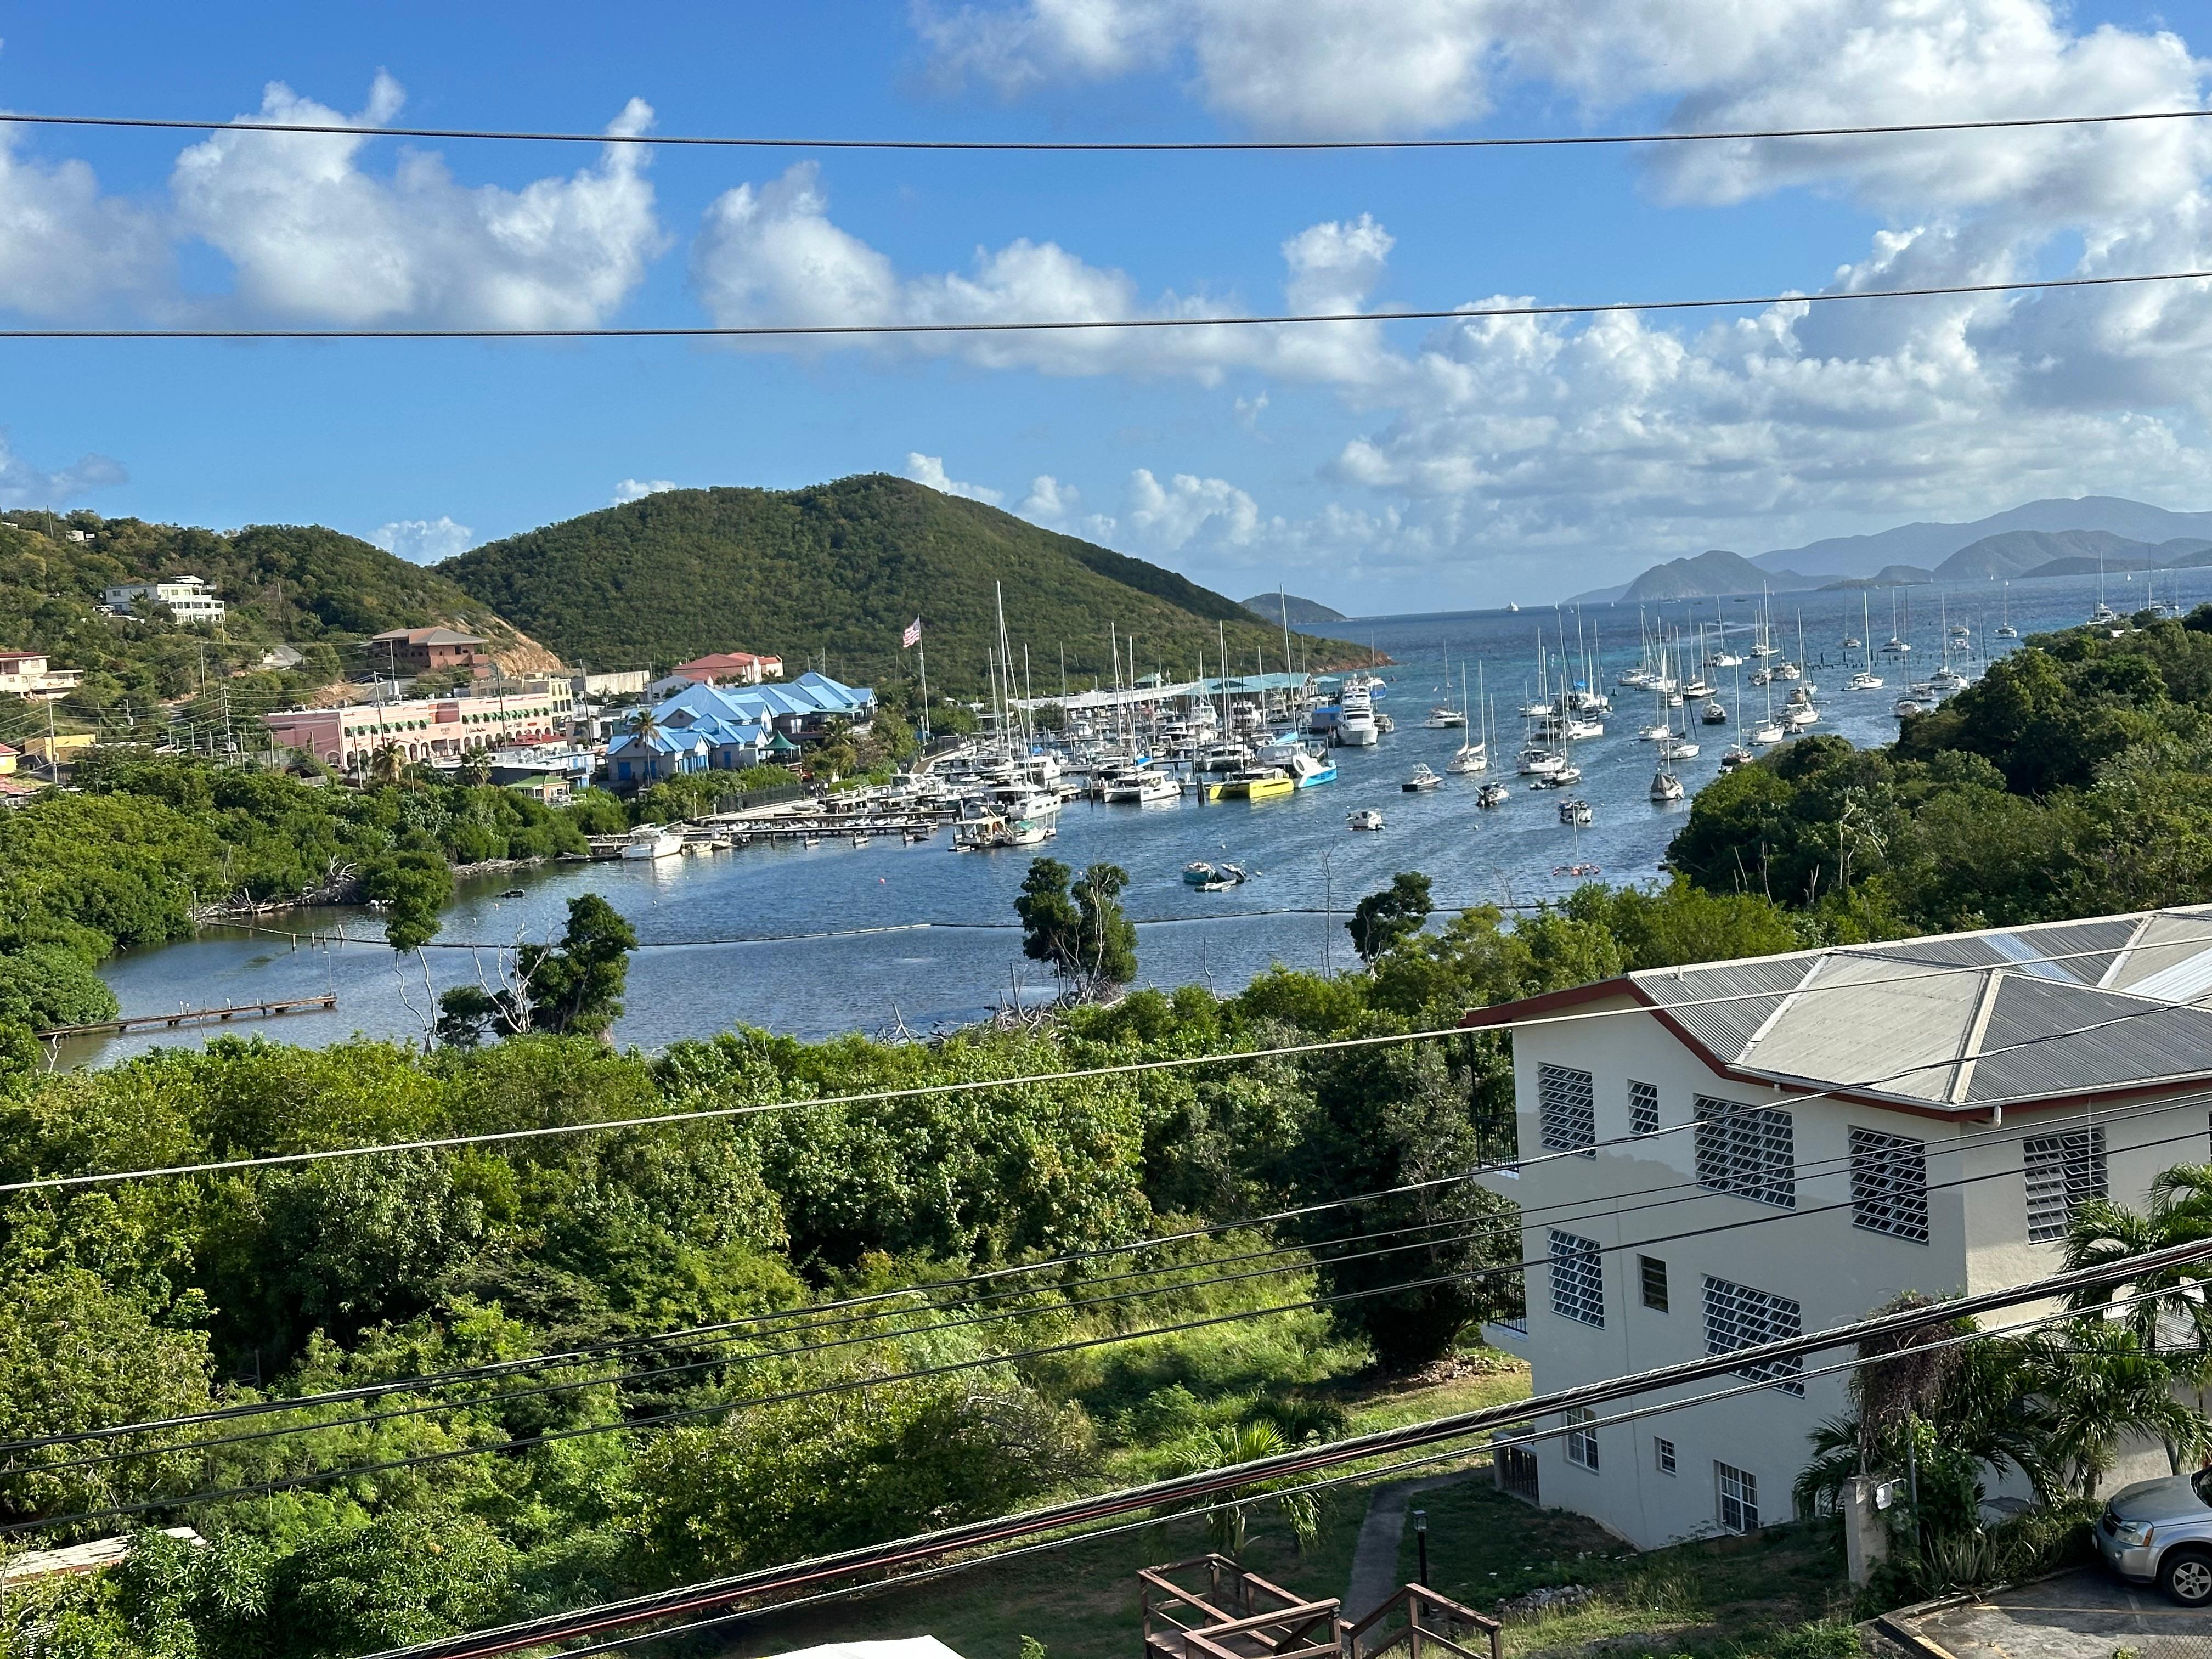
(1644, 1195)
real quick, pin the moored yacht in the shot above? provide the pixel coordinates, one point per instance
(1424, 779)
(1665, 786)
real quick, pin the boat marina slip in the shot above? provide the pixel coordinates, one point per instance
(865, 921)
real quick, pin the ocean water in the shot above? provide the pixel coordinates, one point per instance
(835, 938)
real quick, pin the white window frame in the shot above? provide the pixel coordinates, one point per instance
(1577, 1271)
(1747, 1151)
(1744, 1497)
(1889, 1184)
(1580, 1440)
(1663, 1456)
(1567, 1110)
(2062, 1171)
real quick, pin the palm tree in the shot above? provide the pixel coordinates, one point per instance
(386, 765)
(2099, 1385)
(2104, 1233)
(1246, 1442)
(475, 769)
(642, 724)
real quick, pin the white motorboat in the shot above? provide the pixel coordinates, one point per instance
(1141, 787)
(1028, 832)
(1905, 706)
(1665, 786)
(1307, 772)
(1492, 796)
(1423, 779)
(1355, 720)
(653, 841)
(1365, 818)
(1573, 728)
(1799, 715)
(1442, 718)
(1734, 756)
(1946, 681)
(1654, 733)
(1559, 780)
(1788, 670)
(1862, 680)
(1724, 659)
(1576, 813)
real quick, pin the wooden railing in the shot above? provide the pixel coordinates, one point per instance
(1231, 1613)
(1433, 1623)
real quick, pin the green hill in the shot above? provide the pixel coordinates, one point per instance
(833, 574)
(303, 585)
(1279, 608)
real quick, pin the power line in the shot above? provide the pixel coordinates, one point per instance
(1182, 1063)
(796, 330)
(486, 1643)
(1503, 1270)
(1106, 147)
(1427, 1460)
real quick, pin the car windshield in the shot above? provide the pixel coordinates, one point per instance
(2202, 1484)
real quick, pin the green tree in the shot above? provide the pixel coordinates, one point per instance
(413, 886)
(1106, 939)
(48, 985)
(1383, 919)
(1229, 1530)
(577, 987)
(1052, 928)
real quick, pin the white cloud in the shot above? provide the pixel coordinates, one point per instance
(1166, 516)
(314, 236)
(22, 484)
(632, 489)
(423, 540)
(930, 470)
(65, 247)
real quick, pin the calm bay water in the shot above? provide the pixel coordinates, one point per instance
(774, 937)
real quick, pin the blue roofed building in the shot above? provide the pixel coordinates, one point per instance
(727, 728)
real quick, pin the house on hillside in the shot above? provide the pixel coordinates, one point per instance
(429, 650)
(187, 598)
(730, 668)
(1724, 1154)
(27, 674)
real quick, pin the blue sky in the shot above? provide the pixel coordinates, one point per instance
(1382, 467)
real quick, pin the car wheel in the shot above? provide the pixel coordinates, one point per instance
(2186, 1576)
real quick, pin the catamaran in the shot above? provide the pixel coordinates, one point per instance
(2005, 629)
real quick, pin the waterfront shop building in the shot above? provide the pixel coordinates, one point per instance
(187, 598)
(28, 674)
(427, 728)
(727, 728)
(729, 668)
(1919, 1117)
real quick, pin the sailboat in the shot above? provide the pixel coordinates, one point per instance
(2005, 629)
(1665, 786)
(1473, 755)
(1898, 646)
(2104, 616)
(1865, 679)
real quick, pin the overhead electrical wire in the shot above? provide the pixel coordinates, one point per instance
(1060, 325)
(1182, 1063)
(1428, 1459)
(694, 1414)
(785, 1323)
(537, 1632)
(1107, 147)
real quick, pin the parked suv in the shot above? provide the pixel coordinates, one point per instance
(2161, 1532)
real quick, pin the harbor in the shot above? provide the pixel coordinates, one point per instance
(895, 934)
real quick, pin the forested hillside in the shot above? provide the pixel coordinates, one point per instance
(838, 571)
(2073, 778)
(301, 584)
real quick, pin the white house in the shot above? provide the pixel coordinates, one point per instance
(27, 674)
(1758, 1148)
(187, 598)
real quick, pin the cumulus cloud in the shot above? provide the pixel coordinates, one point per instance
(632, 489)
(312, 235)
(423, 540)
(1166, 516)
(65, 248)
(930, 470)
(24, 484)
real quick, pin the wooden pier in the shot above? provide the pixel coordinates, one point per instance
(323, 1004)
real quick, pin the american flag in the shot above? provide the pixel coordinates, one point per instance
(912, 637)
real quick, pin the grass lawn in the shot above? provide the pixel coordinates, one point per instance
(1720, 1596)
(1081, 1601)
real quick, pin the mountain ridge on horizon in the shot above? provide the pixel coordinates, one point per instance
(1927, 544)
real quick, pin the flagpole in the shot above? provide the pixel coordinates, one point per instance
(922, 656)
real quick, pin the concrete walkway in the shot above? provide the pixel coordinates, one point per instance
(2084, 1614)
(1374, 1558)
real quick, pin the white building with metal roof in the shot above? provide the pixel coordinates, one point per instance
(1742, 1151)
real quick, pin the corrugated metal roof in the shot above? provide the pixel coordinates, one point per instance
(1964, 1019)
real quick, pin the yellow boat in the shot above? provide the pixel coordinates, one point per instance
(1256, 783)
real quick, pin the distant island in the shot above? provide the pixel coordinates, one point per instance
(2054, 538)
(1278, 608)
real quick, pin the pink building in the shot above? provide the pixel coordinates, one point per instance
(425, 728)
(730, 668)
